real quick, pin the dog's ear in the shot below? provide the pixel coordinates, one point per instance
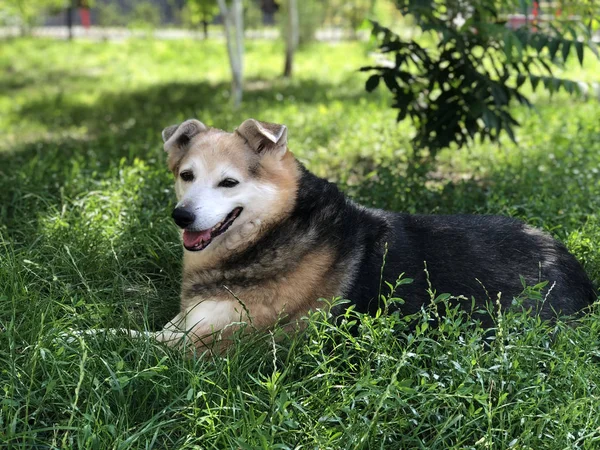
(179, 136)
(264, 136)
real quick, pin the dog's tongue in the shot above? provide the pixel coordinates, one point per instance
(193, 238)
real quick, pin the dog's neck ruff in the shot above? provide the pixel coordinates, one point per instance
(268, 257)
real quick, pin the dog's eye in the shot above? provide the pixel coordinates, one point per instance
(187, 175)
(228, 183)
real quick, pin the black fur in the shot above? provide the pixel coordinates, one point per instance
(471, 255)
(183, 140)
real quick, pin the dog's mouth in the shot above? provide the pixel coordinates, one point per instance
(195, 241)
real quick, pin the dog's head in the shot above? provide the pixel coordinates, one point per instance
(229, 186)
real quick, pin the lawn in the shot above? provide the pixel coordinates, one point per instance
(86, 241)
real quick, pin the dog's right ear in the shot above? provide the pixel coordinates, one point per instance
(180, 136)
(264, 137)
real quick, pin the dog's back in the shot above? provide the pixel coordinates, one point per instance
(478, 257)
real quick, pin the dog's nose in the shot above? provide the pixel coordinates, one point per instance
(183, 217)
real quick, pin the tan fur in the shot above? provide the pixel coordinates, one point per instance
(282, 173)
(285, 299)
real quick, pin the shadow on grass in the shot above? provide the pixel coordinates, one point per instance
(155, 107)
(11, 83)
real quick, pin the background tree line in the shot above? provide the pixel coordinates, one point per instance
(454, 68)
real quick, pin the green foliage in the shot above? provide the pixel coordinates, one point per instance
(349, 13)
(311, 15)
(86, 241)
(27, 13)
(144, 14)
(460, 80)
(199, 12)
(253, 18)
(111, 15)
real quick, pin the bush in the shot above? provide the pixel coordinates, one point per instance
(459, 80)
(111, 15)
(145, 15)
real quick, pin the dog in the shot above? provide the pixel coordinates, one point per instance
(264, 239)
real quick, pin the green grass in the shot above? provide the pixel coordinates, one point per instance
(86, 241)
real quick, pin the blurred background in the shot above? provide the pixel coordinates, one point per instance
(321, 19)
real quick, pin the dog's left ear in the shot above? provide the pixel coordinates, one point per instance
(264, 137)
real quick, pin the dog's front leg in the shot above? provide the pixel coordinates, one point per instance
(201, 323)
(204, 325)
(174, 332)
(211, 323)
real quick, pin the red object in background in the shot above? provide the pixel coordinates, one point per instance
(536, 13)
(536, 10)
(84, 15)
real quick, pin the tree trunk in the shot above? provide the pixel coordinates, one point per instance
(70, 21)
(233, 19)
(205, 28)
(291, 38)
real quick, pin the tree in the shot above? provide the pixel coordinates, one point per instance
(233, 20)
(144, 15)
(71, 6)
(110, 15)
(29, 12)
(198, 12)
(311, 16)
(350, 13)
(458, 82)
(292, 36)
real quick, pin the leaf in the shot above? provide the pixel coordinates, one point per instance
(579, 49)
(553, 47)
(389, 78)
(572, 32)
(509, 131)
(545, 65)
(372, 83)
(565, 49)
(568, 86)
(499, 94)
(541, 41)
(522, 99)
(556, 83)
(401, 114)
(508, 43)
(490, 120)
